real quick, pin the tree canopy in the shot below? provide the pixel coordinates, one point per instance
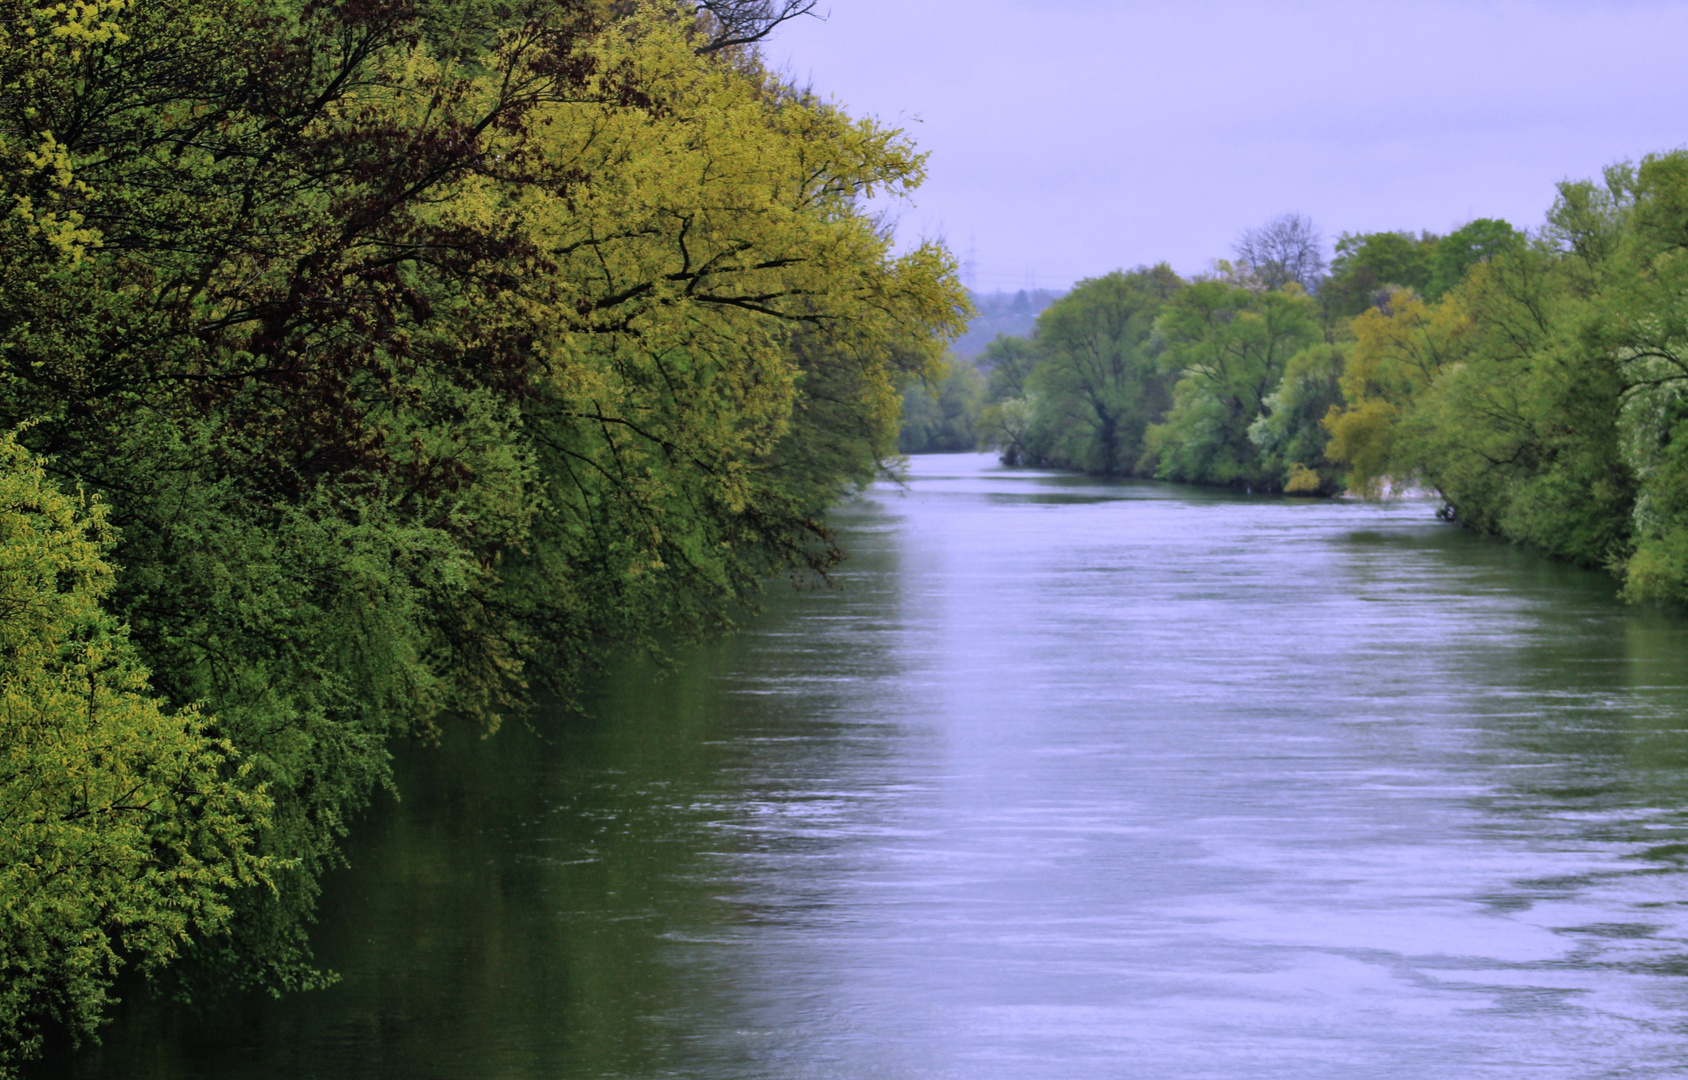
(1540, 395)
(1086, 391)
(419, 353)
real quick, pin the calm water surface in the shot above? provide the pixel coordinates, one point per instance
(1067, 779)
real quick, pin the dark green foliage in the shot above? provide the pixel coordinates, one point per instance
(1521, 435)
(1008, 361)
(1456, 253)
(1141, 373)
(1641, 322)
(943, 417)
(1368, 265)
(1290, 433)
(1094, 385)
(1228, 346)
(1098, 368)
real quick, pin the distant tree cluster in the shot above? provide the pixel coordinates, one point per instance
(370, 366)
(1231, 378)
(942, 416)
(1538, 382)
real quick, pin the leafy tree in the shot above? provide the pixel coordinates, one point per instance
(1475, 242)
(1497, 398)
(1628, 238)
(1368, 266)
(123, 825)
(1290, 432)
(1521, 437)
(1006, 421)
(1401, 346)
(1008, 361)
(1228, 346)
(1096, 384)
(1016, 427)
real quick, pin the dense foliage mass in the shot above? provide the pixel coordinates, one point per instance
(942, 416)
(415, 352)
(1543, 395)
(123, 825)
(1221, 380)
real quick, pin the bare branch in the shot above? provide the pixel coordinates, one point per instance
(1287, 248)
(728, 23)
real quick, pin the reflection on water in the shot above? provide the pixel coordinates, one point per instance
(1068, 779)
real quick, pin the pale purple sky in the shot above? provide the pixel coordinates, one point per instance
(1071, 137)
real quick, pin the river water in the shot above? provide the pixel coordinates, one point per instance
(1067, 778)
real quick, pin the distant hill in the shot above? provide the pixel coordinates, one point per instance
(1002, 313)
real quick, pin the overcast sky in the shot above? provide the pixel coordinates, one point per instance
(1072, 137)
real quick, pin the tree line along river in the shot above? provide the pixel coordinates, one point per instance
(1066, 778)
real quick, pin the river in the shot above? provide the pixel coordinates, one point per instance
(1065, 778)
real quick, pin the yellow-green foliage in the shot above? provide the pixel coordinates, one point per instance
(1400, 347)
(1511, 396)
(122, 827)
(37, 43)
(719, 332)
